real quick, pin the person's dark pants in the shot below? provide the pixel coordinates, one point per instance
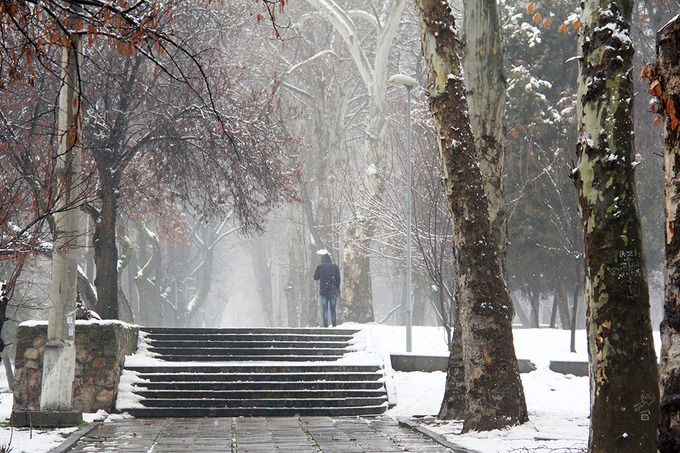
(325, 302)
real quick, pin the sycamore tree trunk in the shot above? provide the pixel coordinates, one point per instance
(357, 291)
(624, 391)
(357, 296)
(486, 87)
(495, 397)
(60, 352)
(453, 404)
(667, 70)
(485, 83)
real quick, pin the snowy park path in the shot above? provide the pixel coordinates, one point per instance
(256, 435)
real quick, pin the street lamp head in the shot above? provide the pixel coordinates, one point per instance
(402, 80)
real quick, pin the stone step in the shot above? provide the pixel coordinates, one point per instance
(254, 394)
(294, 374)
(263, 403)
(243, 344)
(252, 358)
(251, 331)
(292, 337)
(228, 352)
(278, 377)
(263, 385)
(256, 369)
(256, 412)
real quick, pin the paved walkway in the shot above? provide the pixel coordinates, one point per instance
(256, 435)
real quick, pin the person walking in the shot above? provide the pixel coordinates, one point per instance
(328, 275)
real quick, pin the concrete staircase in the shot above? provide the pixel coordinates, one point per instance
(252, 372)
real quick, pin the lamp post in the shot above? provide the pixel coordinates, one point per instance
(401, 80)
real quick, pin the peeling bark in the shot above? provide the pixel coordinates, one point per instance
(453, 404)
(486, 87)
(357, 297)
(485, 83)
(623, 371)
(667, 70)
(495, 397)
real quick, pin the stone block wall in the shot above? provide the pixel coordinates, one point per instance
(101, 347)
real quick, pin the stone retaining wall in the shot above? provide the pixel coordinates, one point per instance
(101, 347)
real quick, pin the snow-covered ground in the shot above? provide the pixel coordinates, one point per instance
(558, 404)
(24, 440)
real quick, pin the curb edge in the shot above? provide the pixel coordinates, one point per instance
(432, 435)
(72, 439)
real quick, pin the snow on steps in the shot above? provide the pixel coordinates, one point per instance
(249, 372)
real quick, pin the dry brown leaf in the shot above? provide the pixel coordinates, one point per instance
(646, 71)
(654, 88)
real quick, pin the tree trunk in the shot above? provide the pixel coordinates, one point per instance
(553, 312)
(562, 305)
(453, 404)
(495, 398)
(535, 302)
(519, 311)
(144, 286)
(60, 352)
(262, 268)
(86, 291)
(419, 306)
(110, 165)
(357, 295)
(203, 284)
(486, 86)
(623, 369)
(104, 243)
(668, 72)
(574, 306)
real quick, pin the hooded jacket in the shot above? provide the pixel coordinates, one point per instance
(328, 275)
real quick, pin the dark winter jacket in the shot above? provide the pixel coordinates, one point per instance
(329, 276)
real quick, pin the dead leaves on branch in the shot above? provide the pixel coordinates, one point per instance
(664, 104)
(30, 31)
(539, 19)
